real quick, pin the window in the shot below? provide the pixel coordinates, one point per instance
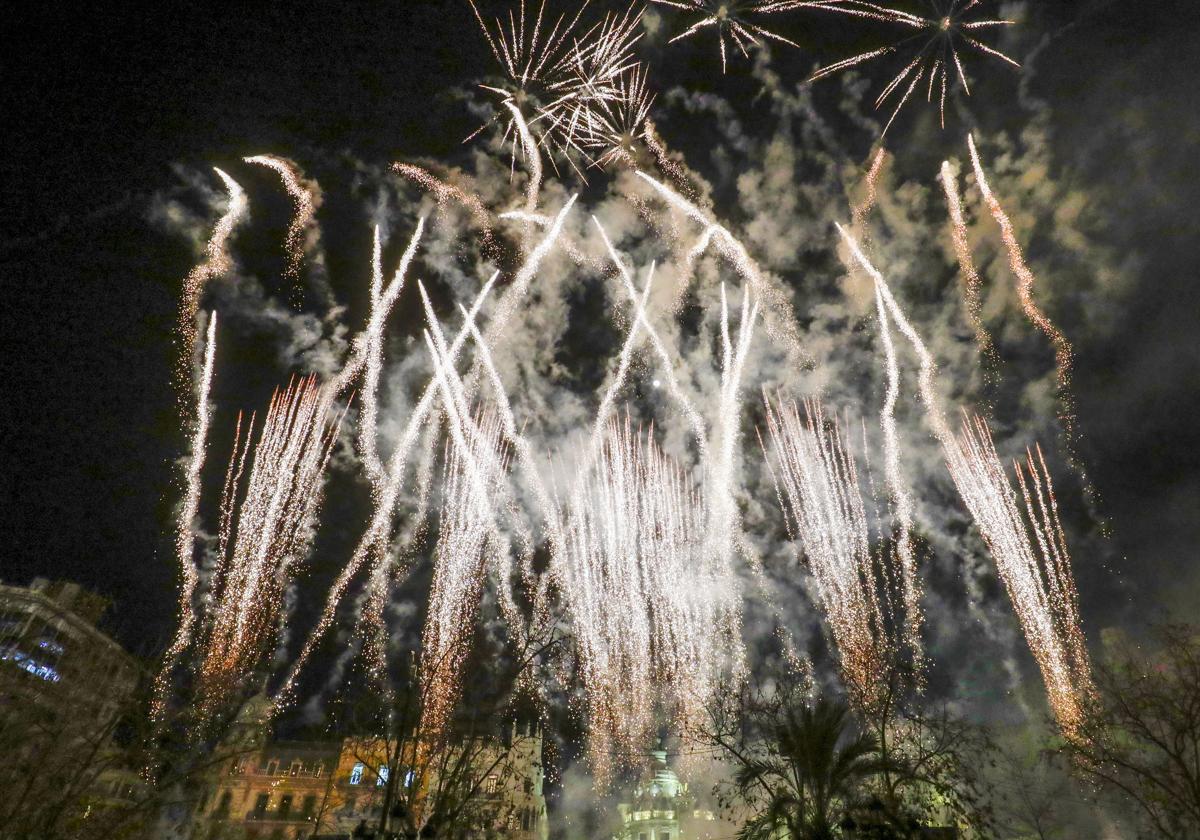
(356, 773)
(320, 771)
(295, 768)
(664, 835)
(272, 768)
(310, 803)
(233, 768)
(203, 802)
(490, 784)
(382, 778)
(285, 806)
(261, 803)
(643, 836)
(223, 805)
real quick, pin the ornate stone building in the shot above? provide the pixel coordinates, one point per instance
(663, 808)
(263, 789)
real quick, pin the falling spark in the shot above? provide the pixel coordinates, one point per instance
(936, 43)
(1036, 573)
(1025, 282)
(731, 19)
(1040, 586)
(966, 263)
(444, 192)
(274, 527)
(216, 262)
(306, 205)
(826, 516)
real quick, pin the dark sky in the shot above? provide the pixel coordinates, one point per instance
(99, 104)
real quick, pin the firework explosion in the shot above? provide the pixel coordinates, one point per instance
(647, 549)
(931, 48)
(733, 20)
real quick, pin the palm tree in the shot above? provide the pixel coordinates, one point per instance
(812, 768)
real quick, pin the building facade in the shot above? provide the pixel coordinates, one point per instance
(663, 808)
(264, 789)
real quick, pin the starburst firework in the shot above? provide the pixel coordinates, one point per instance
(732, 20)
(931, 48)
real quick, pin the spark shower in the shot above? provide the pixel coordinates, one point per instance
(641, 519)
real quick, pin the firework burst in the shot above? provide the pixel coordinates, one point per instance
(931, 48)
(734, 21)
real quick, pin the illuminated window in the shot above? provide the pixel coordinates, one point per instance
(381, 780)
(356, 773)
(490, 784)
(320, 771)
(408, 778)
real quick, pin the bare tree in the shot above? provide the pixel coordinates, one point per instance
(1141, 737)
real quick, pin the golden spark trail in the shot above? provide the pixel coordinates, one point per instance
(306, 207)
(1025, 281)
(825, 514)
(966, 263)
(216, 262)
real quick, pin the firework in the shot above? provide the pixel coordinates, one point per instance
(1063, 356)
(271, 534)
(216, 262)
(185, 534)
(966, 264)
(1039, 581)
(732, 20)
(1037, 572)
(931, 46)
(612, 126)
(552, 73)
(818, 482)
(778, 316)
(304, 196)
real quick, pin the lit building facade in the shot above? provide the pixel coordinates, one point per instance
(263, 789)
(662, 808)
(53, 654)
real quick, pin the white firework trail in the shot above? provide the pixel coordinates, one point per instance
(817, 481)
(273, 532)
(185, 534)
(533, 158)
(1040, 586)
(778, 317)
(306, 207)
(374, 543)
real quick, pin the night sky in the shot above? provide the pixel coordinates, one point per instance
(101, 104)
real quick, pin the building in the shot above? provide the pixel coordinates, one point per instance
(51, 649)
(264, 789)
(65, 689)
(663, 808)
